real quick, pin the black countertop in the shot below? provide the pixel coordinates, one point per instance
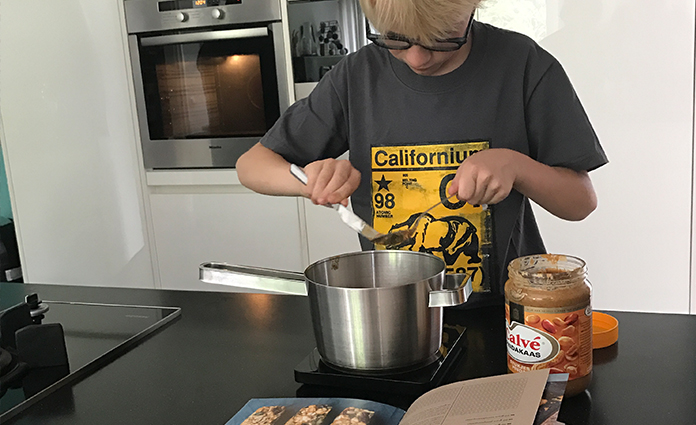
(228, 348)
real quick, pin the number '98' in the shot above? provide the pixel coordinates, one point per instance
(382, 201)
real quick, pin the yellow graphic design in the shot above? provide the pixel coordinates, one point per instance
(409, 179)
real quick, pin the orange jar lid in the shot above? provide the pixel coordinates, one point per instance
(605, 330)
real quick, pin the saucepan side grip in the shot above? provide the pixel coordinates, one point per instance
(280, 281)
(457, 291)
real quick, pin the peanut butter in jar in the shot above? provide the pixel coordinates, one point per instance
(549, 318)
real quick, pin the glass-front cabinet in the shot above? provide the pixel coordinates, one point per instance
(321, 34)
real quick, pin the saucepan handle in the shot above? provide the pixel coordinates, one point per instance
(456, 291)
(284, 282)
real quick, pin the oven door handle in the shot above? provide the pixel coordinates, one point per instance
(162, 40)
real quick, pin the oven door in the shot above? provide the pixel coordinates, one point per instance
(204, 98)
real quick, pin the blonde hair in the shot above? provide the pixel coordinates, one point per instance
(422, 20)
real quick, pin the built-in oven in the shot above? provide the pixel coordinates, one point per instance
(210, 76)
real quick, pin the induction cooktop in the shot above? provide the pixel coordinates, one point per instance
(314, 371)
(63, 342)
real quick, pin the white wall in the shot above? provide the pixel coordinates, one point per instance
(632, 64)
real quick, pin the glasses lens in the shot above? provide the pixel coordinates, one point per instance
(392, 44)
(444, 46)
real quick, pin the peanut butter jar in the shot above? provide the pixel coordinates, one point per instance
(549, 318)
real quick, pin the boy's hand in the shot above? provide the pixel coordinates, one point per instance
(486, 177)
(330, 181)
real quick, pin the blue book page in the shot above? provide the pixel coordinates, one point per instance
(551, 399)
(384, 414)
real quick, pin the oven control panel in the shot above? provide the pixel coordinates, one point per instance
(168, 5)
(144, 16)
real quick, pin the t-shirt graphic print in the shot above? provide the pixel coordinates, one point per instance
(409, 179)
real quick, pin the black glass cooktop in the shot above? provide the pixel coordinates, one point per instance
(94, 335)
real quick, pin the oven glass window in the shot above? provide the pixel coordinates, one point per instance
(210, 89)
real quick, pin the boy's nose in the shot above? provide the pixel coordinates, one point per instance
(417, 57)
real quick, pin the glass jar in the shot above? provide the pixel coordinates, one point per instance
(549, 317)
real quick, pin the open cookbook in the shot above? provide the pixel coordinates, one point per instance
(521, 398)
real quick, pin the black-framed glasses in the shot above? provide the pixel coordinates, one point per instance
(394, 41)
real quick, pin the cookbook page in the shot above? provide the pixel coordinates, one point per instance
(511, 399)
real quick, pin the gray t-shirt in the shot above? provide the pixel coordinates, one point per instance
(509, 93)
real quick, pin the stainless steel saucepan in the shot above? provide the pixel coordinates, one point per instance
(372, 311)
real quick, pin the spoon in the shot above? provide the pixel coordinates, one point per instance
(347, 216)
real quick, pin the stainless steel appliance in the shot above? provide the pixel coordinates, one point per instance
(210, 78)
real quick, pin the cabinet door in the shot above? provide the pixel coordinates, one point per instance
(327, 235)
(236, 228)
(68, 138)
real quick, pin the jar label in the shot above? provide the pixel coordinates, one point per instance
(556, 339)
(528, 345)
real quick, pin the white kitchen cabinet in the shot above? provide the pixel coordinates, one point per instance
(201, 216)
(636, 84)
(69, 142)
(327, 235)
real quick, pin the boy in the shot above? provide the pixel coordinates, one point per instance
(440, 105)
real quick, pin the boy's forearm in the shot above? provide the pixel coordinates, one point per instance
(264, 171)
(563, 192)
